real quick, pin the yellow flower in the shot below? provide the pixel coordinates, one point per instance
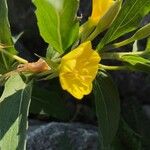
(100, 7)
(78, 69)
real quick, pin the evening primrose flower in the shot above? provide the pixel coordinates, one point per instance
(78, 69)
(99, 8)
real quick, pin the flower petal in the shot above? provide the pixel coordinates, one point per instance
(78, 69)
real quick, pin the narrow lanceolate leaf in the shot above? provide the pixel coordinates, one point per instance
(57, 22)
(140, 34)
(5, 37)
(128, 20)
(107, 108)
(14, 105)
(137, 62)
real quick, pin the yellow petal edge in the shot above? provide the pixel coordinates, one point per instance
(78, 69)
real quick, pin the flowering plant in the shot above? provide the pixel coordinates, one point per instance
(75, 67)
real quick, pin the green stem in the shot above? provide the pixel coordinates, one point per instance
(118, 55)
(113, 68)
(123, 43)
(85, 30)
(19, 59)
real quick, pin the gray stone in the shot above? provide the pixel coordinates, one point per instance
(62, 136)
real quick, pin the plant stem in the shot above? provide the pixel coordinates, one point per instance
(85, 30)
(123, 43)
(19, 59)
(113, 68)
(118, 55)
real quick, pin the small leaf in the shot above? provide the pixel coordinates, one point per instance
(14, 105)
(51, 53)
(137, 62)
(107, 108)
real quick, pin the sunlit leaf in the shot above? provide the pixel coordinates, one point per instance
(140, 34)
(57, 22)
(14, 105)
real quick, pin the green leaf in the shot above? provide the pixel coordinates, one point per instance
(57, 22)
(51, 53)
(128, 20)
(5, 38)
(136, 62)
(140, 34)
(107, 108)
(148, 44)
(127, 138)
(14, 105)
(49, 102)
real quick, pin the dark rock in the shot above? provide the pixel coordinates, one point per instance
(133, 84)
(146, 109)
(85, 9)
(23, 20)
(62, 136)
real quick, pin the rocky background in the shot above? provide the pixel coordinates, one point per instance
(134, 87)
